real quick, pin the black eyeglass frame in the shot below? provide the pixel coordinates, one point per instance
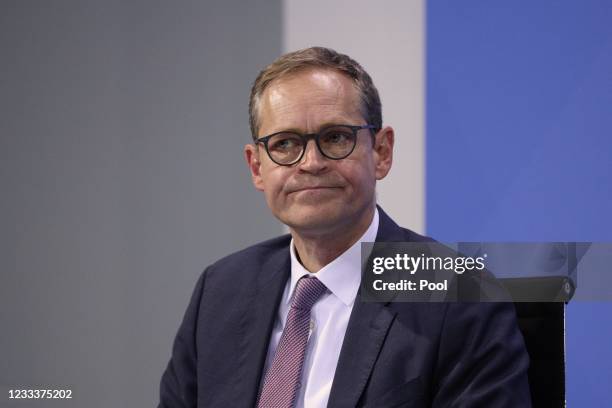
(316, 137)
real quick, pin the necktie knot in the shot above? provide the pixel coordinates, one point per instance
(307, 292)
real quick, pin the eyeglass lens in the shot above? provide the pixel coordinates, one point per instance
(335, 142)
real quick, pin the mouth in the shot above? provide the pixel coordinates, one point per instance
(314, 188)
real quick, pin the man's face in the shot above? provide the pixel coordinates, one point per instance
(317, 194)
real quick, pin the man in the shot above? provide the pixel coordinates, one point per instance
(280, 324)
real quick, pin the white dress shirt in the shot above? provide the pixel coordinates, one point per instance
(328, 319)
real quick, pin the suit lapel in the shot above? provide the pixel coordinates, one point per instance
(363, 340)
(256, 325)
(364, 336)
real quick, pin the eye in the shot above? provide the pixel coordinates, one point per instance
(337, 136)
(284, 142)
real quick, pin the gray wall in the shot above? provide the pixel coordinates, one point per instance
(121, 171)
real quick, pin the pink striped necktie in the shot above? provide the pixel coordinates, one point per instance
(282, 381)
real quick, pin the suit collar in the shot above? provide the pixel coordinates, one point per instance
(388, 230)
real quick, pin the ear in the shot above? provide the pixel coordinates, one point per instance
(383, 152)
(251, 154)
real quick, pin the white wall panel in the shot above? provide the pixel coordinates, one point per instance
(387, 38)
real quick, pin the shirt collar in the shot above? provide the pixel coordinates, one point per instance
(341, 276)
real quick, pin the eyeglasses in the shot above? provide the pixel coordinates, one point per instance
(335, 142)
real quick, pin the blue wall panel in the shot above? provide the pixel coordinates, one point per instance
(519, 142)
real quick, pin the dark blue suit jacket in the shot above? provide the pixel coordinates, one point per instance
(393, 355)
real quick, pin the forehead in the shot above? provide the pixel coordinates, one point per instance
(307, 100)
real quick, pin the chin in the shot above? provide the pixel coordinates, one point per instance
(316, 217)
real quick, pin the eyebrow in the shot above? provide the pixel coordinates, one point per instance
(322, 126)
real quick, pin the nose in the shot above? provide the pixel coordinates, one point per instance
(313, 161)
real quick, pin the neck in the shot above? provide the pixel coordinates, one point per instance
(315, 250)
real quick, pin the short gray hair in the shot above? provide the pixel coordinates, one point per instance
(317, 57)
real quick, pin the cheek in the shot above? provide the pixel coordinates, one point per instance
(361, 174)
(273, 182)
(365, 184)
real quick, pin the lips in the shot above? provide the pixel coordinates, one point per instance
(310, 188)
(298, 184)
